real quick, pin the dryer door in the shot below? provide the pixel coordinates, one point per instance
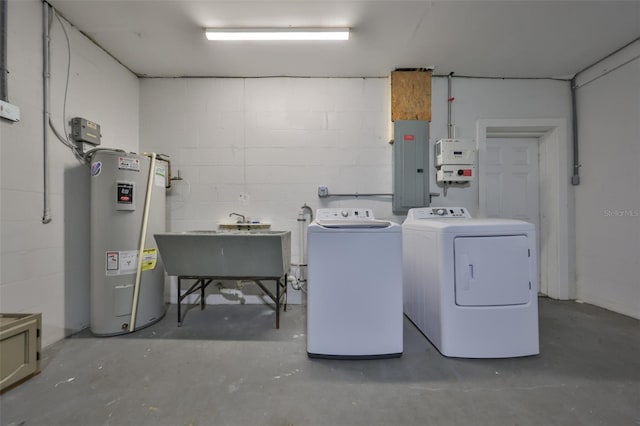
(492, 271)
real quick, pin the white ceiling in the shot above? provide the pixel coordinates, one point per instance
(518, 38)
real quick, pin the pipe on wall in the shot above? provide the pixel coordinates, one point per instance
(302, 245)
(46, 57)
(143, 239)
(4, 90)
(575, 177)
(449, 102)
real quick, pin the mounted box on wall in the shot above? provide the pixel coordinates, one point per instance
(410, 165)
(455, 159)
(456, 173)
(455, 151)
(411, 94)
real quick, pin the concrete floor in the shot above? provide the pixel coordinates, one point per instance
(227, 365)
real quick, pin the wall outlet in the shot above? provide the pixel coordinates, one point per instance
(323, 191)
(9, 111)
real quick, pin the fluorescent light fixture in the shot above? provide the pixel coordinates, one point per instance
(278, 34)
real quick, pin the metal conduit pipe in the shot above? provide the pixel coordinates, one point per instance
(46, 57)
(4, 90)
(356, 195)
(575, 178)
(449, 102)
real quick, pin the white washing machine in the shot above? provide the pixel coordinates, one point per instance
(354, 293)
(471, 285)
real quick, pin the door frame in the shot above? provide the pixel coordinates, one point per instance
(556, 266)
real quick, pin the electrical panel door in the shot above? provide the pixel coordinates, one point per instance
(410, 165)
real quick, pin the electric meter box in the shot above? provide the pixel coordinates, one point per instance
(455, 173)
(455, 151)
(83, 130)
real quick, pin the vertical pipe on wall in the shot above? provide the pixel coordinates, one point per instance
(302, 242)
(449, 102)
(575, 178)
(46, 214)
(4, 91)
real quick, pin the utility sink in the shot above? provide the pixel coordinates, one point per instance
(233, 254)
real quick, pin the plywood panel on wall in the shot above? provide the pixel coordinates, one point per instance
(411, 95)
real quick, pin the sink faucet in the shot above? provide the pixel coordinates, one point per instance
(241, 217)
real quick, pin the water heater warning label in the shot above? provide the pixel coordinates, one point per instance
(126, 262)
(149, 259)
(126, 163)
(113, 261)
(121, 262)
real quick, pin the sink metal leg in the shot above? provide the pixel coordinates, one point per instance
(278, 303)
(286, 291)
(179, 301)
(202, 299)
(201, 284)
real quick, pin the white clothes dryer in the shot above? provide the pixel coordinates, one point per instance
(471, 285)
(354, 293)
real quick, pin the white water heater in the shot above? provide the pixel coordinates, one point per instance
(126, 294)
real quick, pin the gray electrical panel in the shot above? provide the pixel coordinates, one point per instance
(83, 130)
(410, 165)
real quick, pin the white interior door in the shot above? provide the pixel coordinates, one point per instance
(512, 176)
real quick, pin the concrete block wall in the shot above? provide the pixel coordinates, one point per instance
(262, 146)
(45, 268)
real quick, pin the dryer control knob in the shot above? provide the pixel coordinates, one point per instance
(441, 212)
(344, 213)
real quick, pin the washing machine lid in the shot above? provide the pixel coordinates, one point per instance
(349, 218)
(493, 270)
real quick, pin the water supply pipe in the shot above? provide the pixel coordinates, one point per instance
(143, 237)
(302, 245)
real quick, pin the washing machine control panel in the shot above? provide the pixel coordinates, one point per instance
(438, 212)
(344, 214)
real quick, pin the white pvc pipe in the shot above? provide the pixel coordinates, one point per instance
(301, 229)
(143, 237)
(302, 242)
